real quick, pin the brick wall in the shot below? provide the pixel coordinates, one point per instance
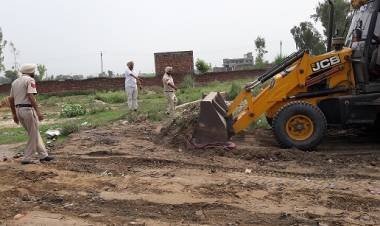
(98, 84)
(182, 62)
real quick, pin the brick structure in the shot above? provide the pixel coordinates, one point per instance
(182, 62)
(99, 84)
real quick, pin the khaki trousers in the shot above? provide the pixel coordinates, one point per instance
(29, 120)
(172, 102)
(132, 93)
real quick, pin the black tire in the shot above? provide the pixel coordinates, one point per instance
(303, 109)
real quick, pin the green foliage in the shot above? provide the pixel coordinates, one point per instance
(68, 94)
(41, 72)
(70, 127)
(97, 108)
(260, 51)
(72, 110)
(235, 90)
(341, 18)
(3, 43)
(261, 123)
(261, 65)
(188, 82)
(279, 59)
(111, 97)
(306, 36)
(202, 66)
(11, 75)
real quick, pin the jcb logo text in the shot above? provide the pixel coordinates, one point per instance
(326, 63)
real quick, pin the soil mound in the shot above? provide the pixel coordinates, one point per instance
(178, 131)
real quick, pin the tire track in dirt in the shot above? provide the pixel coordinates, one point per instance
(120, 165)
(165, 184)
(121, 211)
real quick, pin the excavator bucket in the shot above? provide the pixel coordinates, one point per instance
(213, 125)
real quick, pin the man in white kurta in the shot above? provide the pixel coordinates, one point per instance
(131, 86)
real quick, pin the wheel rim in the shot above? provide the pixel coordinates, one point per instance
(300, 127)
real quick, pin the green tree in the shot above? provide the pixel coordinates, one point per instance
(341, 18)
(279, 58)
(307, 37)
(11, 75)
(3, 43)
(202, 66)
(41, 72)
(260, 51)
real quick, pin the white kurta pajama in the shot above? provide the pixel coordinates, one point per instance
(131, 89)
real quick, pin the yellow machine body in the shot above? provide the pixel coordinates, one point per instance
(295, 80)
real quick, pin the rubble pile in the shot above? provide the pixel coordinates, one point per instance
(178, 131)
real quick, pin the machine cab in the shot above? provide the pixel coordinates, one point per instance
(364, 39)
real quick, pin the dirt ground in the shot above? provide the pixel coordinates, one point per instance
(117, 175)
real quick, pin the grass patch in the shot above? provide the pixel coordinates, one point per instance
(65, 94)
(234, 91)
(152, 107)
(111, 97)
(12, 135)
(188, 82)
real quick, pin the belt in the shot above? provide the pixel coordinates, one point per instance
(169, 91)
(23, 105)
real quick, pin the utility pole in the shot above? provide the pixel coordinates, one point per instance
(101, 63)
(281, 48)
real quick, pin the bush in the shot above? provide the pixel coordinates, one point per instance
(69, 128)
(234, 91)
(188, 82)
(112, 97)
(72, 110)
(202, 66)
(93, 109)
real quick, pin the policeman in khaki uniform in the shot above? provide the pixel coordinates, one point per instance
(169, 90)
(25, 111)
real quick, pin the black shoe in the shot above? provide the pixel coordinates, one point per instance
(47, 159)
(28, 162)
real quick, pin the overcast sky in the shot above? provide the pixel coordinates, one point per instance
(67, 35)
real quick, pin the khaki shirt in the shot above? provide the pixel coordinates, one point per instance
(21, 87)
(167, 79)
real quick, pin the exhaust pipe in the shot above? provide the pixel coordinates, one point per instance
(331, 26)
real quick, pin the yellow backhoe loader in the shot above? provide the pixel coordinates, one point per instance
(305, 94)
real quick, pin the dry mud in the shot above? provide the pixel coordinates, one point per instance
(119, 174)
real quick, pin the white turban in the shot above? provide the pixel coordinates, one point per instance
(167, 69)
(28, 69)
